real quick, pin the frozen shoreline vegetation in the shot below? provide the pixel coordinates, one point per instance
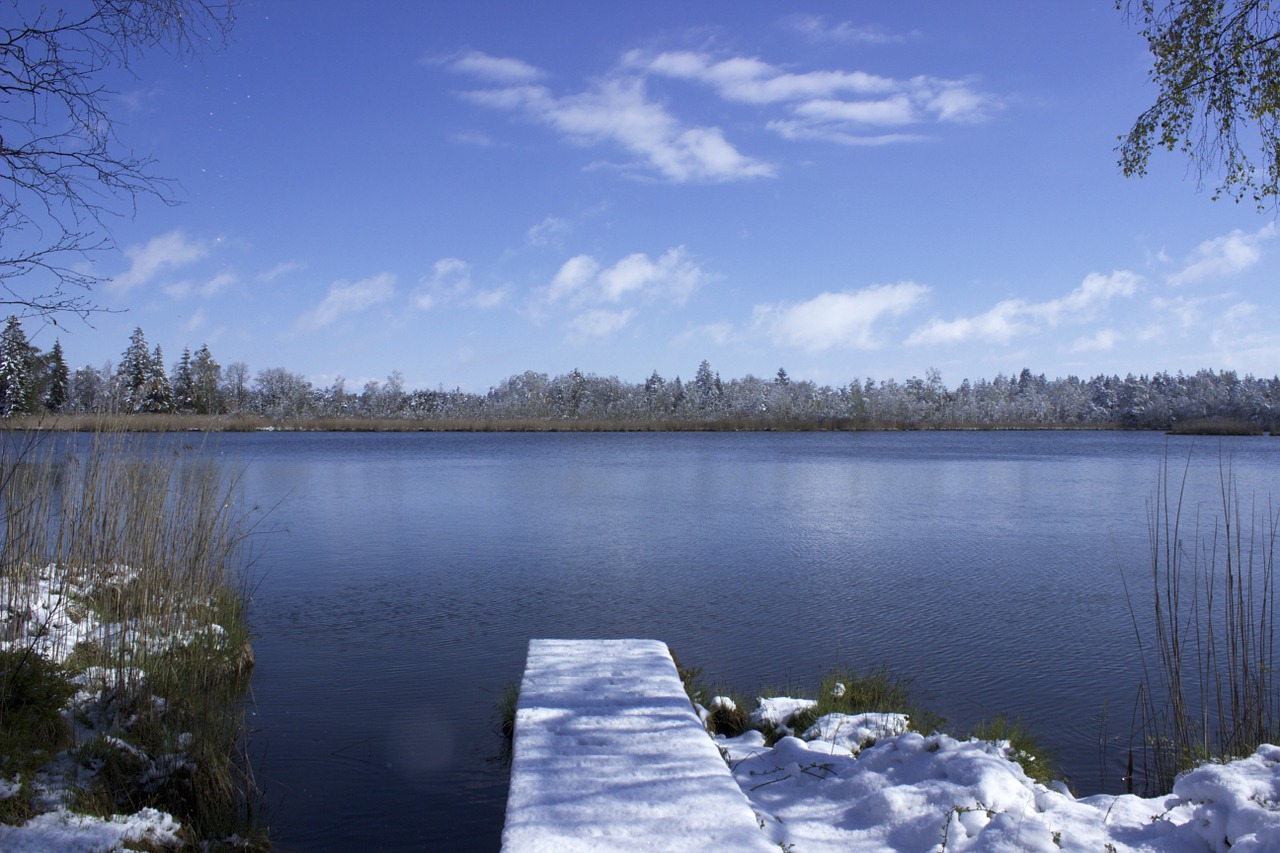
(914, 793)
(124, 652)
(830, 777)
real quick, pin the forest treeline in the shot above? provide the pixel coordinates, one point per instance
(34, 382)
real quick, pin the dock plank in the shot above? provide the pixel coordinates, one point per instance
(609, 755)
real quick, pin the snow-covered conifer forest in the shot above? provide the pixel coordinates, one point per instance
(32, 382)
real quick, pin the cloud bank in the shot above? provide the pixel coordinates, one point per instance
(846, 319)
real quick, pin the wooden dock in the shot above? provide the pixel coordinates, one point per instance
(609, 755)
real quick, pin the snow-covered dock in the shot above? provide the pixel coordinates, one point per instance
(609, 755)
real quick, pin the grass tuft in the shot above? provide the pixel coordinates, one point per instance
(1024, 745)
(508, 704)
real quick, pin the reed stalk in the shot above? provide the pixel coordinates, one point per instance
(141, 551)
(1208, 690)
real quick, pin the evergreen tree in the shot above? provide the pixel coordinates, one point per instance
(133, 372)
(183, 383)
(206, 377)
(654, 387)
(17, 371)
(157, 393)
(705, 382)
(58, 385)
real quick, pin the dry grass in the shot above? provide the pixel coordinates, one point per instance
(1216, 426)
(706, 422)
(150, 546)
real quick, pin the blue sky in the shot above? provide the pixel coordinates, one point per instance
(464, 191)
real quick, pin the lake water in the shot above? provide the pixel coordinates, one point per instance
(407, 573)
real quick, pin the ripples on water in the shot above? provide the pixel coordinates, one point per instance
(415, 568)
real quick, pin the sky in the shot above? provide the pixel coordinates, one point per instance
(465, 191)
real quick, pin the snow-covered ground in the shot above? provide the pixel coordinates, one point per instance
(848, 783)
(47, 614)
(913, 793)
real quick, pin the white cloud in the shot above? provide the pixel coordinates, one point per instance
(846, 319)
(1011, 318)
(998, 325)
(212, 287)
(799, 130)
(572, 275)
(753, 81)
(599, 323)
(619, 111)
(219, 283)
(195, 321)
(168, 251)
(1085, 301)
(498, 69)
(833, 106)
(829, 105)
(1237, 335)
(893, 110)
(1235, 327)
(450, 279)
(1183, 312)
(345, 298)
(548, 231)
(957, 102)
(450, 284)
(1100, 341)
(279, 270)
(673, 277)
(488, 299)
(717, 333)
(452, 276)
(1223, 256)
(819, 29)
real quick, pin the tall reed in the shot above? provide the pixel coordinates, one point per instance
(139, 551)
(1208, 652)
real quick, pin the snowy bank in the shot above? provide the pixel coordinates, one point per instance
(594, 768)
(914, 793)
(49, 613)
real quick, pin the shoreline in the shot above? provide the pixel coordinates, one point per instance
(177, 423)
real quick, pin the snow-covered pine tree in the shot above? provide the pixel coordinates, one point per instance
(17, 370)
(183, 383)
(206, 393)
(158, 393)
(57, 379)
(133, 372)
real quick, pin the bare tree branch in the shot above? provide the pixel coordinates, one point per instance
(63, 170)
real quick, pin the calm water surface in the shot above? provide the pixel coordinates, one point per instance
(409, 571)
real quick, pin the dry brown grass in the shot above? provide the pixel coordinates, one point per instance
(153, 541)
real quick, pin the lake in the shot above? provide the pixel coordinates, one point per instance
(403, 575)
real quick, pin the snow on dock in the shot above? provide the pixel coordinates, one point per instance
(609, 755)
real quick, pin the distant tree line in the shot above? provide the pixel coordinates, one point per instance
(32, 382)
